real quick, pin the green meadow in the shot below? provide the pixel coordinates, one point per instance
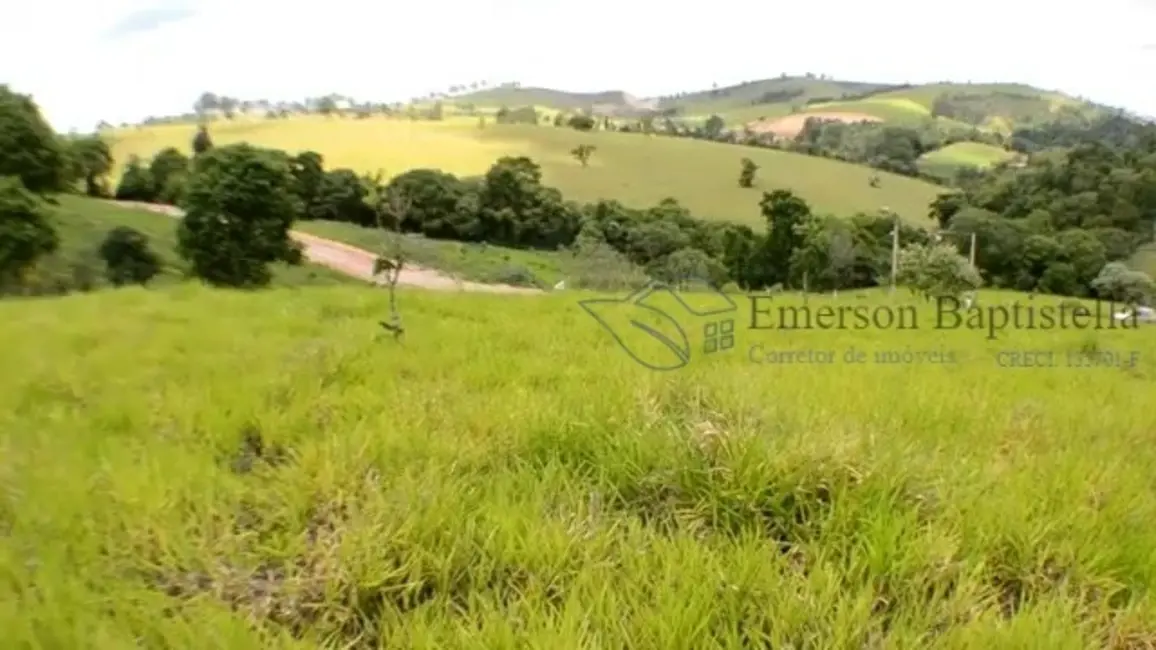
(184, 467)
(636, 169)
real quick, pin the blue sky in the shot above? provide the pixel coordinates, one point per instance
(121, 60)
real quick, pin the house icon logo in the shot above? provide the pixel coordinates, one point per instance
(661, 330)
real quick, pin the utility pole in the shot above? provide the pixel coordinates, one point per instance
(894, 248)
(971, 252)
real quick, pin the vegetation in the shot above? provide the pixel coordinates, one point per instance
(305, 501)
(239, 209)
(265, 469)
(1053, 224)
(632, 169)
(26, 234)
(128, 258)
(29, 149)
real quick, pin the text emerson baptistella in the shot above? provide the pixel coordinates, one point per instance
(950, 314)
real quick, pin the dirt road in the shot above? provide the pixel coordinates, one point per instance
(359, 263)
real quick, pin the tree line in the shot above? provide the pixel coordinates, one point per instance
(1056, 226)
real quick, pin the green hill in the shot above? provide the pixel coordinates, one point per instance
(635, 169)
(990, 106)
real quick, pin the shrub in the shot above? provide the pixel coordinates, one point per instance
(127, 257)
(1118, 283)
(26, 234)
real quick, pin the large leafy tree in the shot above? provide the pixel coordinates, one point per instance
(239, 207)
(29, 149)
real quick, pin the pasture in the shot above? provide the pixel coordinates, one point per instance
(635, 169)
(466, 261)
(197, 468)
(973, 154)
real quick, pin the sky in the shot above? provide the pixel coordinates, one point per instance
(122, 60)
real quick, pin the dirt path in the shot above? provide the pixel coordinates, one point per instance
(791, 125)
(359, 263)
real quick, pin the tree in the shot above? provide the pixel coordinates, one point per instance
(201, 141)
(688, 265)
(136, 183)
(169, 162)
(826, 254)
(784, 213)
(1118, 283)
(92, 161)
(341, 196)
(239, 209)
(936, 270)
(437, 205)
(26, 234)
(713, 127)
(582, 153)
(127, 257)
(582, 122)
(29, 148)
(308, 169)
(747, 174)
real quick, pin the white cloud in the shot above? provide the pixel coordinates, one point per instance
(389, 51)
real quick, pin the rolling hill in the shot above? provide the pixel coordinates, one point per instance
(636, 169)
(781, 107)
(994, 106)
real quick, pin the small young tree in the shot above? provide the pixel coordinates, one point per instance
(582, 153)
(201, 141)
(1118, 283)
(128, 258)
(391, 206)
(747, 175)
(26, 234)
(936, 270)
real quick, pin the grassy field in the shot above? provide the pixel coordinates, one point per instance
(186, 468)
(471, 262)
(736, 103)
(972, 154)
(82, 224)
(635, 169)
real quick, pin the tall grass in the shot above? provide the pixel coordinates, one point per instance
(193, 468)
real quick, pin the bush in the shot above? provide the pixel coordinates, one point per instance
(239, 207)
(26, 234)
(582, 122)
(515, 275)
(936, 270)
(127, 257)
(1118, 283)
